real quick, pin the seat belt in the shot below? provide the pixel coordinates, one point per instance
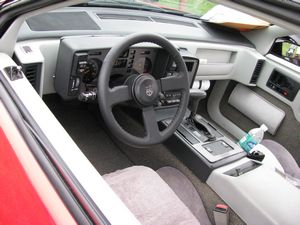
(221, 214)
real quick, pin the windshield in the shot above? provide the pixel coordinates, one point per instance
(195, 8)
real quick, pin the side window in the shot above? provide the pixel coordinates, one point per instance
(287, 48)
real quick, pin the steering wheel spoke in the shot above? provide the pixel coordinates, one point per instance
(171, 83)
(119, 94)
(150, 123)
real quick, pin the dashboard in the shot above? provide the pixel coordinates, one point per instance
(78, 67)
(67, 60)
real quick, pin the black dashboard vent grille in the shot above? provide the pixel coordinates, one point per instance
(257, 71)
(177, 22)
(27, 49)
(32, 73)
(123, 17)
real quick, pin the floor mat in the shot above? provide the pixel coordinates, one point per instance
(85, 129)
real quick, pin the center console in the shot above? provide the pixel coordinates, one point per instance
(259, 192)
(199, 144)
(207, 140)
(203, 149)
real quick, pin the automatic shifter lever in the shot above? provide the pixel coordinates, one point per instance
(195, 96)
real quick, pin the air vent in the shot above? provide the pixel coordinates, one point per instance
(32, 73)
(177, 22)
(257, 71)
(27, 49)
(122, 17)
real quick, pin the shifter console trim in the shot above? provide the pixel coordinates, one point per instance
(218, 149)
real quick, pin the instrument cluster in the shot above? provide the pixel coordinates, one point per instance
(138, 61)
(79, 80)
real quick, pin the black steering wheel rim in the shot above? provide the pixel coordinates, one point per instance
(108, 97)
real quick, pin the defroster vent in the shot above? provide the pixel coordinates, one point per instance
(257, 71)
(123, 17)
(176, 22)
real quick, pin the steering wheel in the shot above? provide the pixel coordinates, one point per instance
(143, 90)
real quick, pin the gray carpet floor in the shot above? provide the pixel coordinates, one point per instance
(84, 128)
(107, 154)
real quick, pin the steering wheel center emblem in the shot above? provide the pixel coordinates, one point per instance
(149, 90)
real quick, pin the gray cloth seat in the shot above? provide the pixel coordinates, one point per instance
(286, 160)
(152, 200)
(186, 192)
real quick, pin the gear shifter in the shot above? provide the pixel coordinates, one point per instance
(195, 96)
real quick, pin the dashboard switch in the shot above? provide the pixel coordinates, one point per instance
(87, 96)
(74, 84)
(77, 82)
(80, 62)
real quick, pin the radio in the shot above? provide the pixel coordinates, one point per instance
(169, 98)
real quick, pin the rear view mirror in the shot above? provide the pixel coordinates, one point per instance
(291, 52)
(287, 48)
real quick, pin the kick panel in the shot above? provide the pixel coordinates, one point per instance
(287, 133)
(256, 108)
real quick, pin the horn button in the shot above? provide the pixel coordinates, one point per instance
(145, 90)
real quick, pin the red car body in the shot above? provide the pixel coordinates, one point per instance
(26, 195)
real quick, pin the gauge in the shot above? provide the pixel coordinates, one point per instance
(142, 65)
(120, 63)
(147, 65)
(91, 71)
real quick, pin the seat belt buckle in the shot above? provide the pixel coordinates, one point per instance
(221, 214)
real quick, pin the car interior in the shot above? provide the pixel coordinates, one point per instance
(157, 103)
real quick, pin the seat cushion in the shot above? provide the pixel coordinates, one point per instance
(186, 192)
(149, 198)
(286, 160)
